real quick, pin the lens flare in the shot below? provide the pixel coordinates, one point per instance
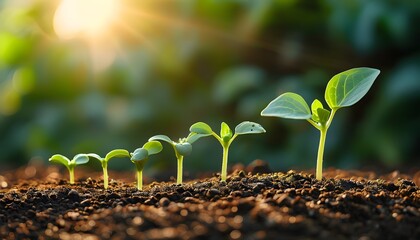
(84, 18)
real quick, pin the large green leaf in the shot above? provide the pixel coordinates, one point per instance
(80, 159)
(153, 147)
(348, 87)
(139, 154)
(248, 128)
(117, 153)
(161, 138)
(183, 148)
(201, 128)
(58, 158)
(288, 105)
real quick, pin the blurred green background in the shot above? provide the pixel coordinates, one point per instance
(110, 74)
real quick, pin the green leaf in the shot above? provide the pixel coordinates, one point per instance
(153, 147)
(248, 128)
(323, 115)
(201, 128)
(161, 138)
(183, 148)
(96, 156)
(316, 104)
(348, 87)
(288, 105)
(58, 158)
(225, 132)
(117, 153)
(192, 137)
(139, 154)
(80, 159)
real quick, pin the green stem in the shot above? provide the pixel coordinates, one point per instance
(140, 180)
(320, 157)
(71, 173)
(105, 169)
(323, 136)
(224, 163)
(179, 172)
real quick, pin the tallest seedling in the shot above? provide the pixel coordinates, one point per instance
(343, 90)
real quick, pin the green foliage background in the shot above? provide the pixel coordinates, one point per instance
(187, 61)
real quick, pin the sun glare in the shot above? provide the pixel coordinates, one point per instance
(84, 18)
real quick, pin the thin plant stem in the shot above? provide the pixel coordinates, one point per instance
(224, 163)
(323, 136)
(140, 180)
(179, 172)
(71, 173)
(105, 169)
(320, 157)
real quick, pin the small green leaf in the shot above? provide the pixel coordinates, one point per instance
(225, 132)
(288, 105)
(139, 154)
(161, 138)
(348, 87)
(80, 159)
(96, 156)
(117, 153)
(183, 148)
(323, 115)
(201, 128)
(58, 158)
(192, 137)
(316, 104)
(153, 147)
(249, 128)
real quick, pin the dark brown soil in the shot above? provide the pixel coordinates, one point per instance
(261, 206)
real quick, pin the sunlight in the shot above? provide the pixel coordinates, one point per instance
(94, 22)
(84, 18)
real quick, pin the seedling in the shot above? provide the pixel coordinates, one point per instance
(343, 90)
(77, 160)
(181, 148)
(140, 156)
(226, 137)
(117, 153)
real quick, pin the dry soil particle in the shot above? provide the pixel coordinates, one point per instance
(263, 206)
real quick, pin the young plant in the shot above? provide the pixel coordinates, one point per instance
(77, 160)
(140, 156)
(181, 148)
(117, 153)
(343, 90)
(226, 137)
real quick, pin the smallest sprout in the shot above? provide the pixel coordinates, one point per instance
(141, 155)
(77, 160)
(117, 153)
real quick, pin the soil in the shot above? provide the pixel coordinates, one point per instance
(249, 205)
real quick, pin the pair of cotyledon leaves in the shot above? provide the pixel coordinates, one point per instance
(343, 90)
(77, 160)
(84, 158)
(225, 132)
